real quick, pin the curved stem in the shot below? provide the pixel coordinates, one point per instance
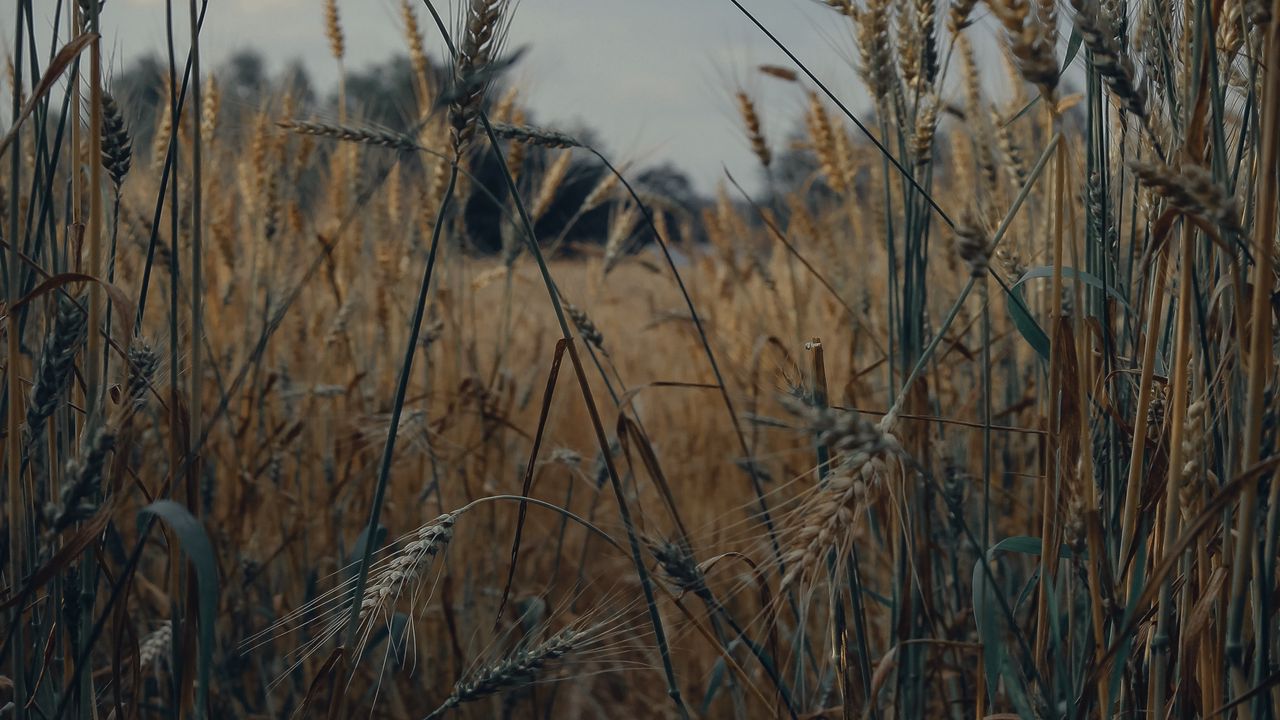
(397, 408)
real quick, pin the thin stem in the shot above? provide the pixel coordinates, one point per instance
(197, 280)
(397, 409)
(13, 446)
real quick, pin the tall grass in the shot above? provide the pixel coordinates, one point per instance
(971, 412)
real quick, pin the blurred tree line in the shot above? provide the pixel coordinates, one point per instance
(383, 95)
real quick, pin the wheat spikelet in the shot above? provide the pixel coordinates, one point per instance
(972, 244)
(400, 572)
(534, 136)
(505, 108)
(160, 141)
(617, 242)
(11, 75)
(84, 474)
(779, 72)
(395, 192)
(212, 103)
(926, 127)
(333, 30)
(117, 146)
(958, 15)
(362, 136)
(844, 7)
(551, 181)
(1015, 164)
(825, 518)
(57, 359)
(518, 150)
(518, 669)
(926, 12)
(908, 46)
(679, 565)
(1258, 13)
(480, 38)
(1031, 41)
(846, 165)
(1194, 442)
(338, 328)
(972, 79)
(155, 646)
(755, 133)
(876, 49)
(917, 44)
(142, 363)
(1110, 59)
(586, 328)
(1191, 189)
(417, 54)
(600, 193)
(822, 137)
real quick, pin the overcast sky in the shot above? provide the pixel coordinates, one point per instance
(653, 77)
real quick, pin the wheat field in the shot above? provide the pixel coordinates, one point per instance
(967, 409)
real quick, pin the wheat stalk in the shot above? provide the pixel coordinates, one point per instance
(530, 135)
(57, 360)
(825, 518)
(478, 44)
(755, 133)
(117, 147)
(551, 181)
(333, 30)
(1191, 189)
(363, 136)
(520, 668)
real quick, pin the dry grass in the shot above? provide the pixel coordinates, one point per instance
(995, 438)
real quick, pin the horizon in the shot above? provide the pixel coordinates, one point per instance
(650, 103)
